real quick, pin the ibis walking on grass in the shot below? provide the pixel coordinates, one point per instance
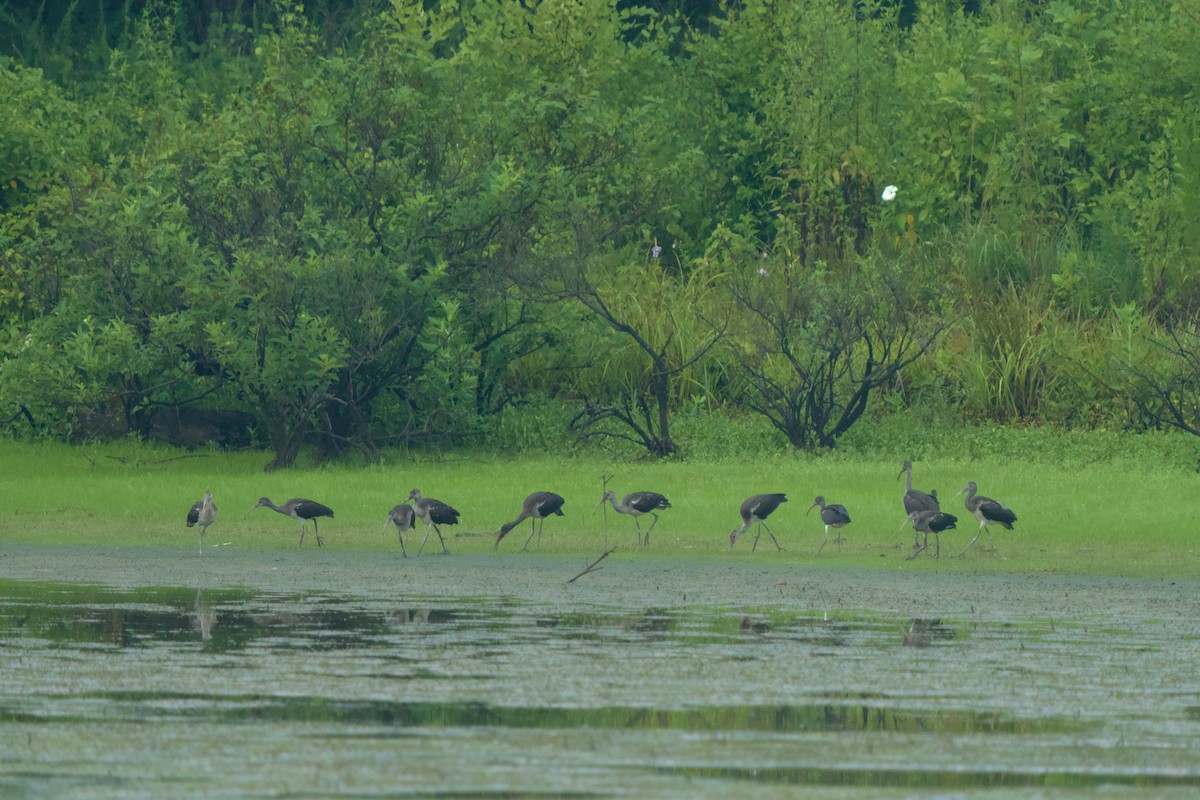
(757, 509)
(915, 499)
(834, 515)
(433, 513)
(537, 506)
(987, 511)
(299, 508)
(635, 505)
(928, 522)
(202, 513)
(404, 518)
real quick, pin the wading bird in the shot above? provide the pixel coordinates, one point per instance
(987, 511)
(757, 509)
(915, 499)
(433, 513)
(834, 515)
(402, 516)
(300, 509)
(635, 505)
(202, 513)
(928, 522)
(537, 506)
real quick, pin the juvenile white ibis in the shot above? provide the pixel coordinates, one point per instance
(433, 513)
(636, 504)
(834, 515)
(915, 499)
(202, 513)
(403, 517)
(537, 506)
(757, 509)
(987, 511)
(299, 508)
(928, 522)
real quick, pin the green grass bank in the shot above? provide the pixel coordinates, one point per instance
(1107, 506)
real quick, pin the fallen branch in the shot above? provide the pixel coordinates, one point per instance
(592, 566)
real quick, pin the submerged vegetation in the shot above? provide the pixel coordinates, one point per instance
(442, 225)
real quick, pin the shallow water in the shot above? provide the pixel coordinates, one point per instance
(117, 690)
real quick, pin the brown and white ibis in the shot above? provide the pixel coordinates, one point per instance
(636, 504)
(928, 522)
(834, 515)
(202, 513)
(537, 506)
(433, 513)
(757, 509)
(403, 517)
(987, 511)
(301, 509)
(915, 499)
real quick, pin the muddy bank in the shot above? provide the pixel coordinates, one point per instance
(625, 581)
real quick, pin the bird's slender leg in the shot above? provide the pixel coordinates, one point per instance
(757, 533)
(918, 548)
(532, 530)
(825, 542)
(400, 536)
(639, 529)
(316, 532)
(990, 540)
(778, 546)
(421, 549)
(937, 540)
(968, 547)
(302, 533)
(652, 524)
(438, 531)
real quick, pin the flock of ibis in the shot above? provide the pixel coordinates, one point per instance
(924, 515)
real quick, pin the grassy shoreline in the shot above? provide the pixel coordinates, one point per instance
(1134, 515)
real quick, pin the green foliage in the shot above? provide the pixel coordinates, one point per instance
(370, 225)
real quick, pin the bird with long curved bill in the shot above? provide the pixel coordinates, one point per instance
(987, 511)
(203, 513)
(433, 513)
(301, 509)
(404, 518)
(835, 516)
(536, 508)
(915, 499)
(635, 505)
(756, 509)
(928, 522)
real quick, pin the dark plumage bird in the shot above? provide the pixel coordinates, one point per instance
(928, 522)
(915, 499)
(834, 515)
(537, 506)
(299, 508)
(757, 509)
(637, 504)
(202, 513)
(433, 513)
(987, 511)
(404, 518)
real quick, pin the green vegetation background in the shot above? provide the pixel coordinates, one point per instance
(578, 234)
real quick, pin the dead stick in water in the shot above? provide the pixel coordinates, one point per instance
(592, 566)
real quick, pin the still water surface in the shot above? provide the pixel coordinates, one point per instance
(191, 692)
